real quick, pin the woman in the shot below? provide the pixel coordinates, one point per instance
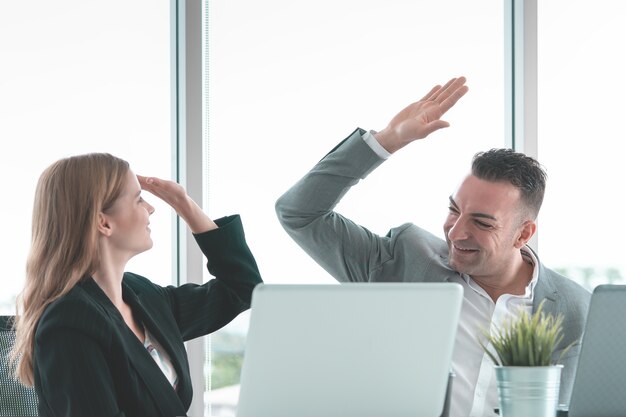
(95, 340)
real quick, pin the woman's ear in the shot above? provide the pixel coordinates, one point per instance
(103, 225)
(527, 231)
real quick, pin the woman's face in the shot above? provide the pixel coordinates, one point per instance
(128, 220)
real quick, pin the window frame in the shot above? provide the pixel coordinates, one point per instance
(186, 52)
(520, 103)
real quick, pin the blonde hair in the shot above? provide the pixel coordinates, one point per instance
(70, 195)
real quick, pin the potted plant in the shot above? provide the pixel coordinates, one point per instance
(528, 379)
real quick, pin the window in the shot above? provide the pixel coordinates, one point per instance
(287, 81)
(581, 138)
(82, 77)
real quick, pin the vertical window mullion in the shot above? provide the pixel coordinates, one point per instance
(188, 138)
(520, 26)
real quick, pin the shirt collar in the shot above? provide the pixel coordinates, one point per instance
(529, 257)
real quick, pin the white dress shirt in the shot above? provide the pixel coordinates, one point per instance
(161, 358)
(474, 391)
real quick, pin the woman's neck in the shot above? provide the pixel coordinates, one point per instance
(110, 281)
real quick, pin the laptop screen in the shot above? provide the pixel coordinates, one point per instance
(349, 350)
(600, 383)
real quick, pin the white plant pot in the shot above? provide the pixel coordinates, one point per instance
(528, 391)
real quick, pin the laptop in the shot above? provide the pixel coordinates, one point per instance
(349, 350)
(599, 388)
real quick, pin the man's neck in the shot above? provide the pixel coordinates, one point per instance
(514, 282)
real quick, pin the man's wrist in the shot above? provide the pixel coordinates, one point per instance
(386, 138)
(374, 144)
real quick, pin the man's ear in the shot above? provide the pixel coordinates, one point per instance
(103, 225)
(527, 230)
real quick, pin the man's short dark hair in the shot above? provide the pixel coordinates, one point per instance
(522, 171)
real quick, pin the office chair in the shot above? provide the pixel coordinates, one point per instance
(16, 400)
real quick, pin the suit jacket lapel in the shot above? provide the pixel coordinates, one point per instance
(177, 353)
(546, 290)
(163, 394)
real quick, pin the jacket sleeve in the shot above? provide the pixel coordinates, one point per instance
(349, 252)
(202, 309)
(72, 372)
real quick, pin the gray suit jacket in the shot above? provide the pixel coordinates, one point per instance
(352, 253)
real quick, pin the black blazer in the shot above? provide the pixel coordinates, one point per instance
(88, 363)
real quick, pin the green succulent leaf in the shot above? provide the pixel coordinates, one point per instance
(530, 340)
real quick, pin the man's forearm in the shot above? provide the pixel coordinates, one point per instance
(319, 191)
(305, 211)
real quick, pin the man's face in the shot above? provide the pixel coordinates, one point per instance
(483, 227)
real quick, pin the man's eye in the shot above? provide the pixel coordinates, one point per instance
(484, 225)
(453, 210)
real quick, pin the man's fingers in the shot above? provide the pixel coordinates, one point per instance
(447, 90)
(431, 93)
(440, 94)
(453, 98)
(438, 90)
(449, 94)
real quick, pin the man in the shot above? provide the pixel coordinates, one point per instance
(492, 216)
